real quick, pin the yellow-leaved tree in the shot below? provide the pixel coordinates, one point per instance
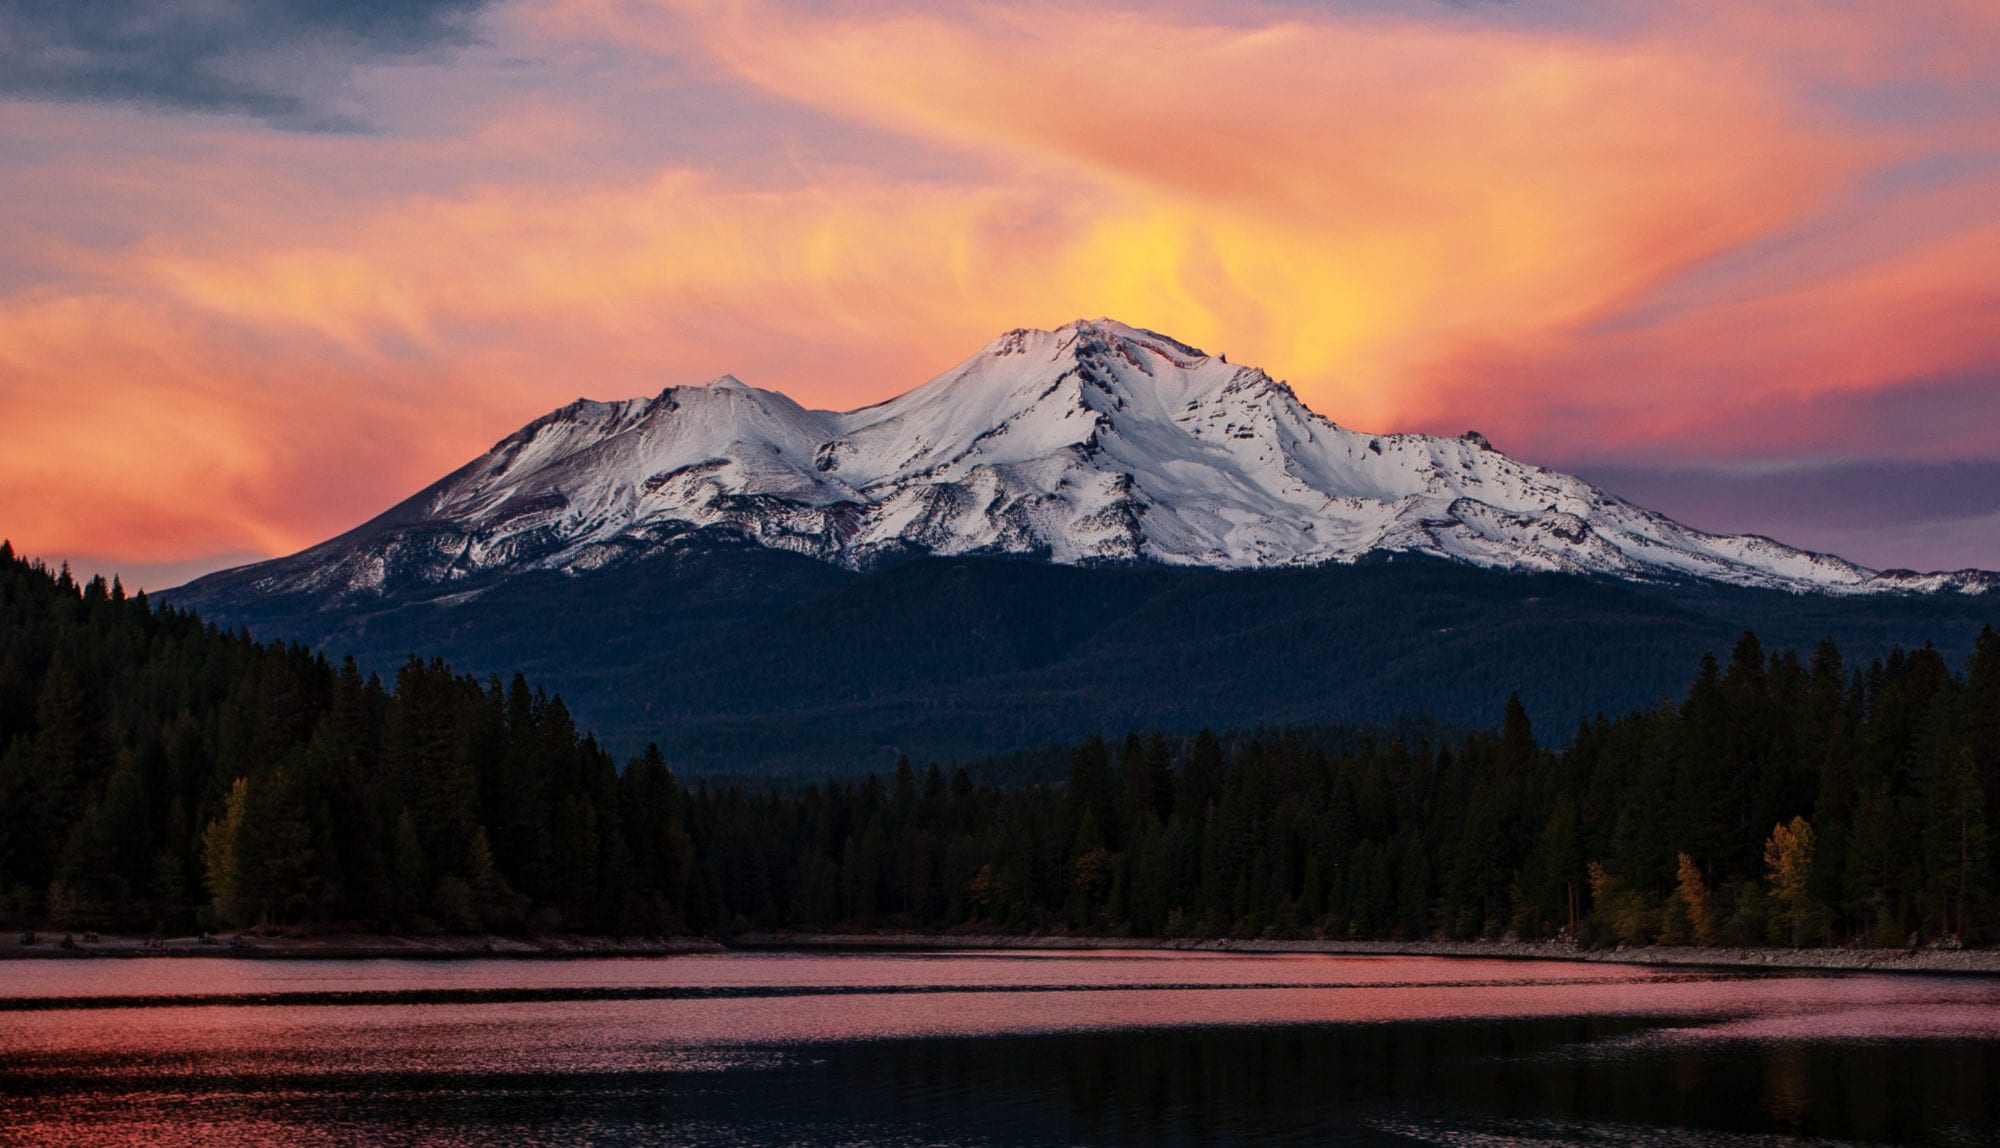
(1788, 860)
(1691, 898)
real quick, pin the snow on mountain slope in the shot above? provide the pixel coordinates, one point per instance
(1095, 442)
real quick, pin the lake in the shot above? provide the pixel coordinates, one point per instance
(988, 1048)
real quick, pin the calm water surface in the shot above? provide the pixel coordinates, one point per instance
(988, 1048)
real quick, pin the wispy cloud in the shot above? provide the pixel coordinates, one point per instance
(282, 61)
(1942, 516)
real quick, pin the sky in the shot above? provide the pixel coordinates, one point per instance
(269, 266)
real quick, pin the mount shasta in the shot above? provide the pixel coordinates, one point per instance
(1093, 443)
(1096, 527)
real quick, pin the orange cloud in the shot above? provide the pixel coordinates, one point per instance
(1336, 199)
(142, 431)
(1717, 381)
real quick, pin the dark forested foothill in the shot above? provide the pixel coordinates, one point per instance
(157, 772)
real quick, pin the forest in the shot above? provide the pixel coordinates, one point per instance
(160, 774)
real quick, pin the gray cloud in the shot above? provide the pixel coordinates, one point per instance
(282, 61)
(1926, 516)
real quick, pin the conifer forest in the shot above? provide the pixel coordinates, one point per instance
(158, 774)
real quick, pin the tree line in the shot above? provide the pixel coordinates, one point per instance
(158, 773)
(1780, 801)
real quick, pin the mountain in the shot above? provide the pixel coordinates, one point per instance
(1095, 443)
(1093, 528)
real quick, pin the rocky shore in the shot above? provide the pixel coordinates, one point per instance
(77, 945)
(1922, 960)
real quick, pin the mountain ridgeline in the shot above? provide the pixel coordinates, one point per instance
(156, 772)
(1089, 529)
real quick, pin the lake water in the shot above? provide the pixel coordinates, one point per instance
(988, 1048)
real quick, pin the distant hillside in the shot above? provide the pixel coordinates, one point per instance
(735, 656)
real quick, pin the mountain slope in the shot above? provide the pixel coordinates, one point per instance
(1093, 443)
(739, 657)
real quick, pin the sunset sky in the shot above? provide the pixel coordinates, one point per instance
(268, 267)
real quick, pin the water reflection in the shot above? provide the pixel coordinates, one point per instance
(988, 1049)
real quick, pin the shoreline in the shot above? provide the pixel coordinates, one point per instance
(349, 947)
(1981, 962)
(1976, 962)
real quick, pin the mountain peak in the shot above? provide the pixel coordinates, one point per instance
(726, 382)
(1084, 337)
(1107, 328)
(1098, 335)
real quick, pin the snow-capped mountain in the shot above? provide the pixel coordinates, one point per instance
(1092, 443)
